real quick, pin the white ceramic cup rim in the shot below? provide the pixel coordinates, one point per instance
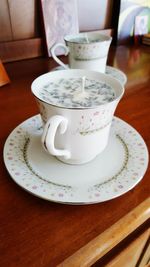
(99, 38)
(43, 79)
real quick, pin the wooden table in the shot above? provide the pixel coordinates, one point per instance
(38, 233)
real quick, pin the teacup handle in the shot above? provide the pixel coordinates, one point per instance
(48, 137)
(53, 48)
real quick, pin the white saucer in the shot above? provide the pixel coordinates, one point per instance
(114, 172)
(115, 73)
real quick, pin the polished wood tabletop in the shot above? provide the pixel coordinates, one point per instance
(40, 233)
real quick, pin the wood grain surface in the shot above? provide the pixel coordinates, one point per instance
(38, 233)
(18, 19)
(99, 246)
(5, 22)
(22, 49)
(132, 253)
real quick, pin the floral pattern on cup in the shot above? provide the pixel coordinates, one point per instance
(94, 123)
(88, 46)
(88, 52)
(87, 124)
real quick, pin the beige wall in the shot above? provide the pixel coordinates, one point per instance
(94, 14)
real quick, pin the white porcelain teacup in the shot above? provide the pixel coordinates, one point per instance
(76, 122)
(86, 51)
